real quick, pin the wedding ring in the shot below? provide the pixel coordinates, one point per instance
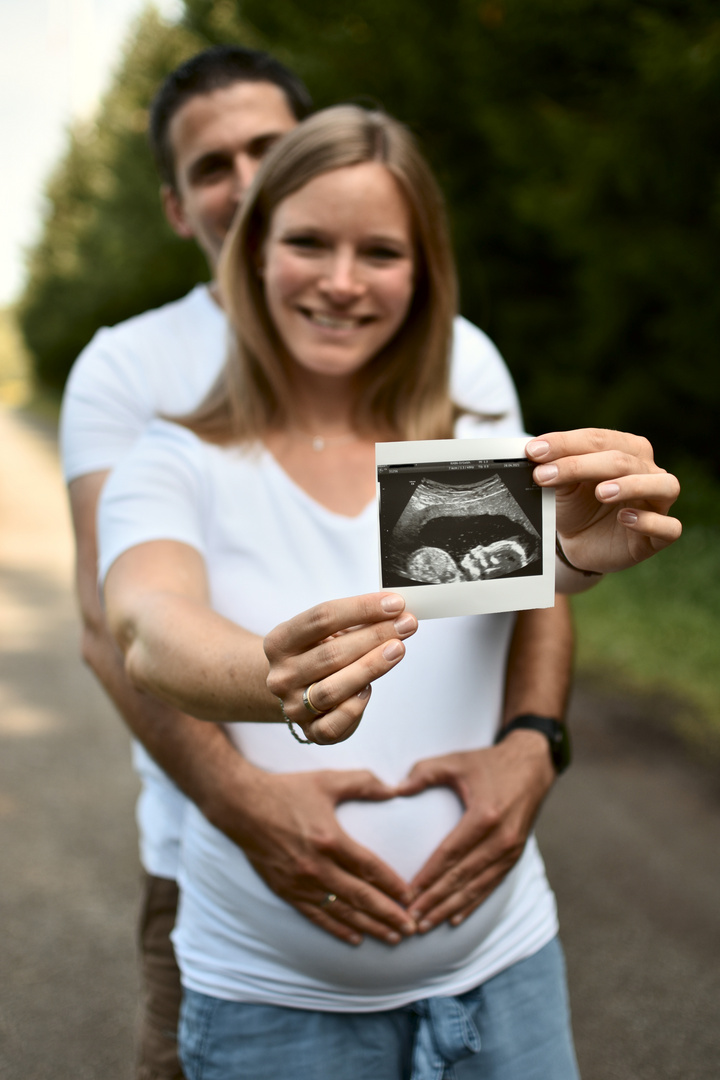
(329, 899)
(308, 703)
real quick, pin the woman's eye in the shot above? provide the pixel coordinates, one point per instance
(305, 243)
(384, 254)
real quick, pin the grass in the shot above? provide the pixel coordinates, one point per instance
(656, 628)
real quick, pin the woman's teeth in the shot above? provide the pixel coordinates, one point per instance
(332, 322)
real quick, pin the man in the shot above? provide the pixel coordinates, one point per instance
(211, 123)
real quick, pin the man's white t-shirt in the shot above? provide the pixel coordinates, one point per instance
(163, 363)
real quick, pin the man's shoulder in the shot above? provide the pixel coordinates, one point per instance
(477, 364)
(173, 343)
(167, 321)
(480, 381)
(163, 361)
(471, 344)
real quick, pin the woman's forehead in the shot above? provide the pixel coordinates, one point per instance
(366, 193)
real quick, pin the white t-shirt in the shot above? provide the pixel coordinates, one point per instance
(164, 362)
(270, 552)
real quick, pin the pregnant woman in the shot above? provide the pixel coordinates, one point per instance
(221, 527)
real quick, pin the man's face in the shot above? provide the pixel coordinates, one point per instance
(218, 141)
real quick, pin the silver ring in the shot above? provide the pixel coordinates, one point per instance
(329, 899)
(312, 709)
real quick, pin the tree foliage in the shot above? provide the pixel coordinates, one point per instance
(577, 143)
(105, 252)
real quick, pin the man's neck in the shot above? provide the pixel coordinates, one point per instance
(214, 291)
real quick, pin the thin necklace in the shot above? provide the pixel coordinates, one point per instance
(320, 442)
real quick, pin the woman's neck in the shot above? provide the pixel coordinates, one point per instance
(322, 407)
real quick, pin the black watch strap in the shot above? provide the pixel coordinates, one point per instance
(554, 731)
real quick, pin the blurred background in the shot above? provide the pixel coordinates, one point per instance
(578, 146)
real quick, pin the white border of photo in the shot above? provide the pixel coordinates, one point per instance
(472, 597)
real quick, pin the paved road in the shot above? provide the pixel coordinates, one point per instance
(631, 837)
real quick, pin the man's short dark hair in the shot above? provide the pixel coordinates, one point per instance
(214, 69)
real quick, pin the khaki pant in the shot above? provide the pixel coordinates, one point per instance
(161, 990)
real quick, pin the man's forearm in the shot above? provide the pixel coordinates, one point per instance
(539, 667)
(195, 754)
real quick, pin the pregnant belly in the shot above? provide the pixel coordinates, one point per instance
(402, 832)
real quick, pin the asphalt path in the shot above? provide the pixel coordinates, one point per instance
(631, 838)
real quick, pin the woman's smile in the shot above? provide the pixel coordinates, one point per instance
(335, 322)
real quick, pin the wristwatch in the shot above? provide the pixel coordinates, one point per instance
(554, 731)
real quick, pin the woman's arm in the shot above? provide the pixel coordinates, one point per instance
(179, 650)
(175, 646)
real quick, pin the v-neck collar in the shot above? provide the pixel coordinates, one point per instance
(300, 492)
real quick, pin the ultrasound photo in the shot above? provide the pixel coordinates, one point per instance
(443, 523)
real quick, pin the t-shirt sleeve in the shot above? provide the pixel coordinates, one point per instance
(481, 383)
(107, 404)
(155, 493)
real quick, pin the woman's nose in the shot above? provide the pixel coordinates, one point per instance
(342, 281)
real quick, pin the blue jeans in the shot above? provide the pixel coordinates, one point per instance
(516, 1026)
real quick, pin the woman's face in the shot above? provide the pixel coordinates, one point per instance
(338, 268)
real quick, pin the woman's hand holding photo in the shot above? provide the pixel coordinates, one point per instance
(323, 661)
(612, 499)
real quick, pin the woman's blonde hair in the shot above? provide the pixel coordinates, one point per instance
(403, 390)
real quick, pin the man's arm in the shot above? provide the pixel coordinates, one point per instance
(501, 787)
(283, 824)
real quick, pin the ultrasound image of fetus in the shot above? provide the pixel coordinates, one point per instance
(495, 560)
(433, 566)
(462, 532)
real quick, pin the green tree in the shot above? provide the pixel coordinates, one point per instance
(577, 144)
(105, 252)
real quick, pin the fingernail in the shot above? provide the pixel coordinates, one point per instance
(424, 926)
(608, 491)
(392, 603)
(415, 916)
(455, 920)
(393, 650)
(405, 625)
(628, 517)
(537, 448)
(356, 939)
(409, 928)
(393, 938)
(365, 692)
(545, 472)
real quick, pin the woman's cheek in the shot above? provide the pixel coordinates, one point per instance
(286, 279)
(401, 291)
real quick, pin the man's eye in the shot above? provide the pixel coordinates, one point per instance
(259, 149)
(211, 170)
